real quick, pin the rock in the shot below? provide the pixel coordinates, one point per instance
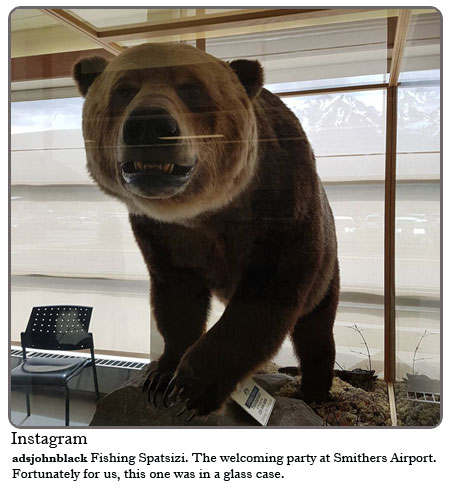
(128, 406)
(272, 382)
(293, 412)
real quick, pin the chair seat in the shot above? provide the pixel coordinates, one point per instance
(46, 371)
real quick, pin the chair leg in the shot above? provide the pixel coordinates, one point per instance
(27, 396)
(94, 372)
(67, 405)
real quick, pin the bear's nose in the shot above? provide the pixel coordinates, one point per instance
(149, 126)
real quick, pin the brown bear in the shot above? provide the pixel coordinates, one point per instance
(224, 199)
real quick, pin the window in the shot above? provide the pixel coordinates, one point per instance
(332, 68)
(347, 133)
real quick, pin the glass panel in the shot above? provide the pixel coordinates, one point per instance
(422, 57)
(417, 232)
(347, 132)
(333, 48)
(315, 53)
(418, 226)
(345, 123)
(72, 231)
(47, 146)
(120, 306)
(120, 17)
(214, 10)
(65, 231)
(46, 115)
(306, 85)
(33, 32)
(28, 18)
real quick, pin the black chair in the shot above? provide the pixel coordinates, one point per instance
(55, 327)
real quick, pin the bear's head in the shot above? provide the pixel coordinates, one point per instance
(170, 130)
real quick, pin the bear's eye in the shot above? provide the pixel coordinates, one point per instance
(125, 92)
(189, 90)
(193, 95)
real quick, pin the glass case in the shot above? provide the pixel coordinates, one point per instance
(334, 69)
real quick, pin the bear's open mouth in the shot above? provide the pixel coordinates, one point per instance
(132, 168)
(152, 179)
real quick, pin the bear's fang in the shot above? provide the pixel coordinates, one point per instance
(166, 167)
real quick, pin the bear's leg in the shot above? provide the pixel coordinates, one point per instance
(180, 305)
(261, 313)
(313, 341)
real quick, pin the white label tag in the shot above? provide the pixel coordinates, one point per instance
(254, 400)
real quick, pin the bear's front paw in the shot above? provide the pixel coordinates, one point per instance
(200, 387)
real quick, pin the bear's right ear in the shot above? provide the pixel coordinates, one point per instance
(86, 70)
(250, 74)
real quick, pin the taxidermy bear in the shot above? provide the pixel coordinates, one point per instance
(224, 200)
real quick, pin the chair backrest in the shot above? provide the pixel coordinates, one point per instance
(63, 327)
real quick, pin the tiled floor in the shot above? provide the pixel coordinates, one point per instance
(47, 409)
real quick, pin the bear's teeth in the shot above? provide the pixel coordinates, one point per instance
(168, 168)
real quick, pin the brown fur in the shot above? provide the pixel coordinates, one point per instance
(252, 226)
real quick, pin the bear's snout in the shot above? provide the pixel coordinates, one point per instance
(152, 135)
(150, 126)
(153, 160)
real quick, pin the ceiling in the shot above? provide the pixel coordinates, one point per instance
(37, 31)
(46, 42)
(44, 31)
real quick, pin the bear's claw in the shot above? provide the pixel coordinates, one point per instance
(199, 396)
(169, 395)
(146, 384)
(172, 393)
(191, 415)
(154, 384)
(181, 411)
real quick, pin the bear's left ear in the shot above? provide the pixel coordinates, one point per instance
(86, 70)
(250, 74)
